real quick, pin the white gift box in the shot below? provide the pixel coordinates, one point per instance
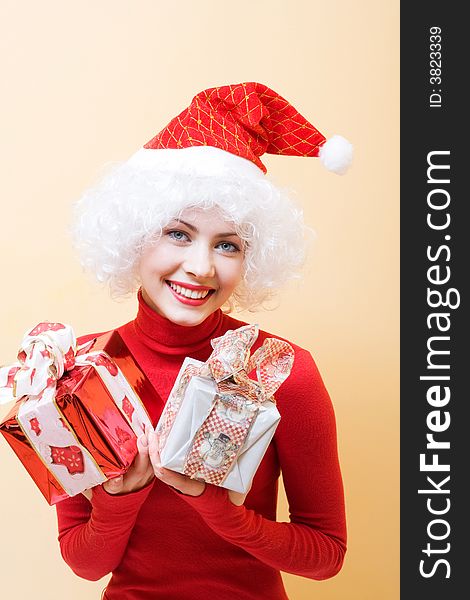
(196, 405)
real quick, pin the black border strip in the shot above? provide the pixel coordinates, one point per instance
(434, 257)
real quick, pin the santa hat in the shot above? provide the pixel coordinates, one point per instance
(232, 126)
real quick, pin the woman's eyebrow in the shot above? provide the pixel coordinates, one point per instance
(196, 230)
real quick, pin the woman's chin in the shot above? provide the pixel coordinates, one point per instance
(185, 317)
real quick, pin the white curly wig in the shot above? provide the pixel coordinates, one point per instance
(116, 219)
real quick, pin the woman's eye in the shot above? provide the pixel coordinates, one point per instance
(179, 236)
(228, 247)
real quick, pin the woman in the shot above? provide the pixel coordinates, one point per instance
(193, 223)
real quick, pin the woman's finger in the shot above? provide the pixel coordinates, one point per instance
(171, 477)
(88, 494)
(153, 452)
(141, 461)
(180, 482)
(114, 485)
(143, 444)
(236, 498)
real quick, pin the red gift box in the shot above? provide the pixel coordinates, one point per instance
(99, 405)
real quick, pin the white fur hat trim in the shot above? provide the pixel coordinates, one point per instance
(195, 160)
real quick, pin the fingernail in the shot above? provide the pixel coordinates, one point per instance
(143, 440)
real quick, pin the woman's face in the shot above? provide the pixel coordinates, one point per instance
(193, 268)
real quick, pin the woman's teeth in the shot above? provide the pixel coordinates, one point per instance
(188, 293)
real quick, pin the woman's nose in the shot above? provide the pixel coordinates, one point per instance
(199, 262)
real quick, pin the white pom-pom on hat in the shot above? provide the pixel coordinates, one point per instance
(336, 154)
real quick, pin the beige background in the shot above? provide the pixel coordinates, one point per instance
(88, 82)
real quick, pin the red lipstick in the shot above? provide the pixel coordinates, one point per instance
(190, 301)
(190, 286)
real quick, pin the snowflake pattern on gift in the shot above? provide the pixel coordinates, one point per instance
(34, 424)
(70, 457)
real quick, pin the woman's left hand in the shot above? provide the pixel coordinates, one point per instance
(182, 483)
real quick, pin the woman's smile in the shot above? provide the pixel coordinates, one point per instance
(192, 297)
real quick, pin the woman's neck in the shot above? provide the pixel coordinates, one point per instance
(162, 335)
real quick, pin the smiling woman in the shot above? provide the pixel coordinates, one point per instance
(192, 223)
(195, 265)
(118, 219)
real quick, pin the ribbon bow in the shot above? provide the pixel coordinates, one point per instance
(46, 352)
(230, 361)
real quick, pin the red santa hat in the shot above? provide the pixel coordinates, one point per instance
(243, 121)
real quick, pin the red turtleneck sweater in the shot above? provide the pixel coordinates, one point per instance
(161, 544)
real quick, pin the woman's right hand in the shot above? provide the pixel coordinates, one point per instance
(139, 474)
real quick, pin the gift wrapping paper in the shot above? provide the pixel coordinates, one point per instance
(218, 423)
(78, 411)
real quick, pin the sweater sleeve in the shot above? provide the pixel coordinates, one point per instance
(93, 535)
(313, 542)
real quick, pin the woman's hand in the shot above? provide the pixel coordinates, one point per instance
(139, 474)
(182, 483)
